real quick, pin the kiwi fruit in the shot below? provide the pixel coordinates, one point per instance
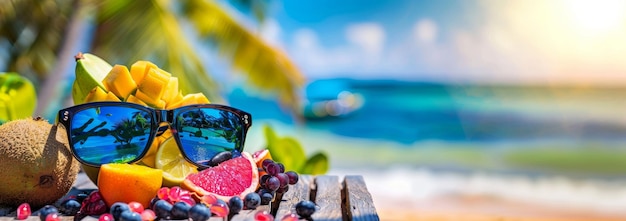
(36, 165)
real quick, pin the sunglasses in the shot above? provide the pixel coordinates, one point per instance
(119, 132)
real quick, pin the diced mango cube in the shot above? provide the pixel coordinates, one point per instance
(201, 99)
(156, 103)
(132, 99)
(119, 81)
(154, 84)
(111, 97)
(197, 98)
(171, 91)
(139, 70)
(96, 94)
(176, 102)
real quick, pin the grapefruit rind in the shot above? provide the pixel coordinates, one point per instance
(219, 185)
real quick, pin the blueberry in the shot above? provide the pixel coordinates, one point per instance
(180, 210)
(266, 198)
(48, 209)
(70, 207)
(236, 153)
(305, 208)
(162, 209)
(81, 196)
(199, 212)
(220, 157)
(252, 200)
(129, 216)
(117, 209)
(235, 204)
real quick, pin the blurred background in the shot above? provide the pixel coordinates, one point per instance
(504, 108)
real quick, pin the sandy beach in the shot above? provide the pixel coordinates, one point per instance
(421, 194)
(466, 183)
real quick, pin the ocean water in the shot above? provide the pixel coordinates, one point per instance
(556, 147)
(410, 112)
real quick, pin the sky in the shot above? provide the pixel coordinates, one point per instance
(459, 41)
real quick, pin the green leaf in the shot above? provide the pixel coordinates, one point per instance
(270, 135)
(317, 164)
(266, 67)
(18, 98)
(285, 150)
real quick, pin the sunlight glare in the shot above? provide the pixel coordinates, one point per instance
(597, 16)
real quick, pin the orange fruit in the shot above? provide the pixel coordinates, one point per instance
(234, 177)
(261, 155)
(128, 182)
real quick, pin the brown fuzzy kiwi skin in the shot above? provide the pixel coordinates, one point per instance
(36, 165)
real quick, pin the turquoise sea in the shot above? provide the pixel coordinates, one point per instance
(565, 128)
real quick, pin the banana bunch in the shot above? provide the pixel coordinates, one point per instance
(18, 97)
(144, 83)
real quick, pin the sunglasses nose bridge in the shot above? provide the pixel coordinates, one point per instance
(164, 116)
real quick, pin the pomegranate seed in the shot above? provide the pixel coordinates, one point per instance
(263, 216)
(290, 217)
(106, 217)
(174, 194)
(148, 215)
(53, 217)
(163, 193)
(219, 209)
(136, 207)
(23, 211)
(209, 199)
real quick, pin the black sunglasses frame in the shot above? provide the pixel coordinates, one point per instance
(159, 117)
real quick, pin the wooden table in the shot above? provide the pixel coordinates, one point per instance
(345, 198)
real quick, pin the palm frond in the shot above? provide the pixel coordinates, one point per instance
(147, 30)
(265, 66)
(34, 31)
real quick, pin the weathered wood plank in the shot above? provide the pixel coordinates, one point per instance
(328, 198)
(359, 203)
(297, 192)
(248, 215)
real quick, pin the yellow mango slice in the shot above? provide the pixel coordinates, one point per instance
(154, 84)
(119, 81)
(197, 98)
(132, 99)
(201, 99)
(139, 69)
(111, 97)
(171, 91)
(96, 94)
(175, 102)
(156, 103)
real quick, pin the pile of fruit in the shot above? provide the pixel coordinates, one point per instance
(176, 202)
(163, 185)
(144, 83)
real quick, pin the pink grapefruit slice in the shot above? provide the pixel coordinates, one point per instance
(235, 177)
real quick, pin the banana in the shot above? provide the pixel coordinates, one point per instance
(90, 71)
(18, 98)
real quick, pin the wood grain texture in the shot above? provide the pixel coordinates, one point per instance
(297, 192)
(248, 215)
(358, 200)
(328, 199)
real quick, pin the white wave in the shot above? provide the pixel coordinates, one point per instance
(415, 186)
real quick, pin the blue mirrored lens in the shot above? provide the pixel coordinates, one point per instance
(110, 134)
(205, 132)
